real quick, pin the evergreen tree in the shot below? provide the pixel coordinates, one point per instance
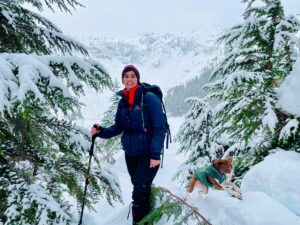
(194, 138)
(43, 154)
(109, 147)
(258, 55)
(175, 97)
(24, 31)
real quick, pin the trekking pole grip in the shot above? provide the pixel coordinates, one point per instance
(93, 141)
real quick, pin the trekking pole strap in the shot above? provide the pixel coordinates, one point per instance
(162, 158)
(169, 132)
(169, 138)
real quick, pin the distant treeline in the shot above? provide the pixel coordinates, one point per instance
(175, 96)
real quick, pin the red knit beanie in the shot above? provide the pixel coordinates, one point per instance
(131, 68)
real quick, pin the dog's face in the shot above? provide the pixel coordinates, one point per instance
(223, 165)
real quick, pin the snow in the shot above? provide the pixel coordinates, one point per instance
(108, 215)
(289, 92)
(25, 195)
(278, 176)
(270, 189)
(270, 193)
(238, 77)
(290, 128)
(256, 208)
(270, 197)
(157, 56)
(32, 69)
(269, 118)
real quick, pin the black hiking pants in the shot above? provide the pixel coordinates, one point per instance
(141, 178)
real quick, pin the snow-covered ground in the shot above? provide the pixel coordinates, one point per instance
(270, 192)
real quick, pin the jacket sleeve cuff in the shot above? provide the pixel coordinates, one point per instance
(155, 156)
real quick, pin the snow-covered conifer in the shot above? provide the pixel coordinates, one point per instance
(109, 147)
(259, 53)
(194, 138)
(43, 153)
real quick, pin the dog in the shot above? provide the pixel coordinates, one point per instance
(207, 176)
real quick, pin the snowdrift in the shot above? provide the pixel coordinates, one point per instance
(271, 193)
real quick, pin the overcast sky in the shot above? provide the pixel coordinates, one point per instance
(124, 18)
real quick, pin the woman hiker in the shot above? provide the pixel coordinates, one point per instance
(141, 121)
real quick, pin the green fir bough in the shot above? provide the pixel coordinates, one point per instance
(43, 153)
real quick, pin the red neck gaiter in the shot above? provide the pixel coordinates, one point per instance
(130, 94)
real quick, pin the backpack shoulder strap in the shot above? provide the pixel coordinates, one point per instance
(142, 110)
(168, 138)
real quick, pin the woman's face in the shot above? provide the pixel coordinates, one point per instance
(130, 80)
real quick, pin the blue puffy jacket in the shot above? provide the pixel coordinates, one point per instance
(143, 126)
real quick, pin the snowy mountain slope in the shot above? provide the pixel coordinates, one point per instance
(162, 59)
(166, 59)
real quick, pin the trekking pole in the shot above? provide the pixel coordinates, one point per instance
(87, 179)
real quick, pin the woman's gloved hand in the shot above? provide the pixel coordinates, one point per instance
(95, 129)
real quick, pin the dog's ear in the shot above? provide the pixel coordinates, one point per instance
(214, 161)
(229, 159)
(217, 163)
(224, 166)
